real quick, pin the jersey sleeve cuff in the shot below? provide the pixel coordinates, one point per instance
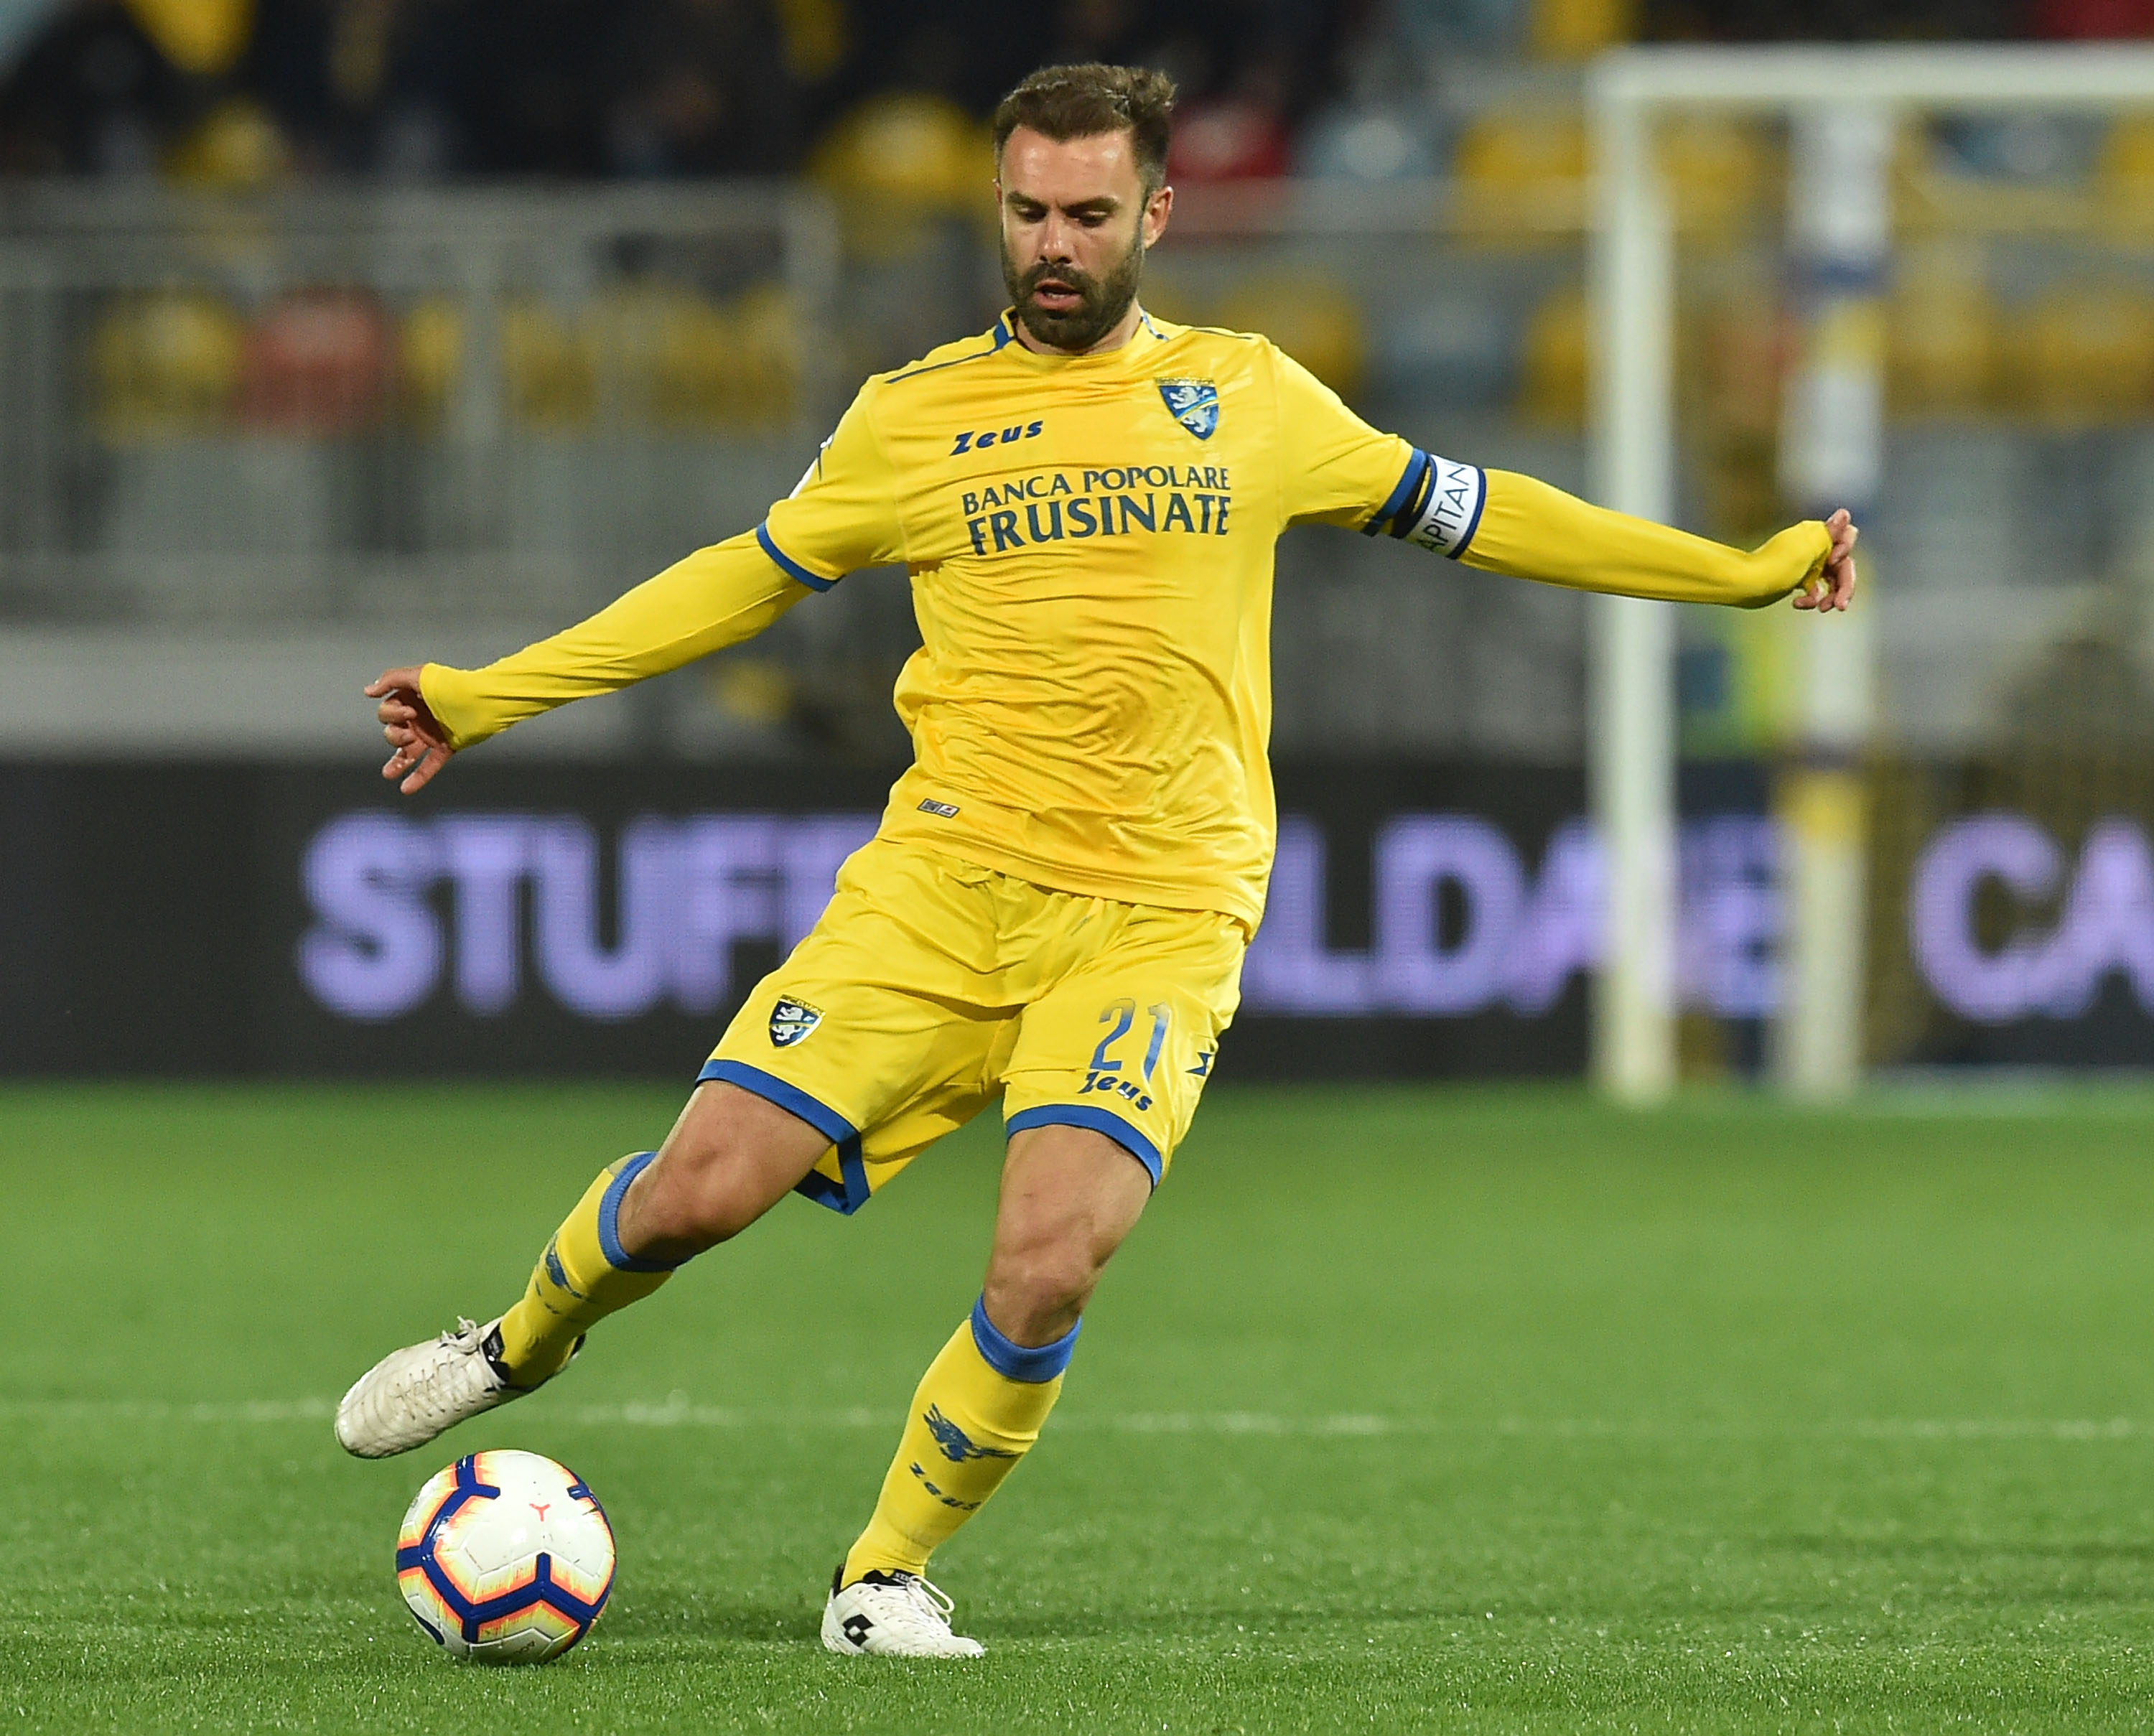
(448, 694)
(786, 564)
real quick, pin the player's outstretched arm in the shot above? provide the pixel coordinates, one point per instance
(1529, 530)
(717, 597)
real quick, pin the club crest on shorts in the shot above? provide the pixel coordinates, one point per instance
(790, 1020)
(1194, 403)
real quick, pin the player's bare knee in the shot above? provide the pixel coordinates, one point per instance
(685, 1202)
(1034, 1293)
(728, 1159)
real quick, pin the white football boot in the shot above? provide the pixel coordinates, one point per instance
(891, 1614)
(412, 1395)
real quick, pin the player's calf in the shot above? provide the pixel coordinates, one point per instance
(1069, 1196)
(728, 1159)
(583, 1274)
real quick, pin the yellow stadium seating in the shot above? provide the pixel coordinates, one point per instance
(166, 365)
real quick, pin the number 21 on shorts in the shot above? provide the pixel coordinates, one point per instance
(1106, 1073)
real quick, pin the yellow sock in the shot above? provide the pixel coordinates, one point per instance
(583, 1275)
(978, 1410)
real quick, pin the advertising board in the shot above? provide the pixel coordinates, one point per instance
(1425, 920)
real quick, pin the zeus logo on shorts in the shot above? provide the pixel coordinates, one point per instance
(790, 1020)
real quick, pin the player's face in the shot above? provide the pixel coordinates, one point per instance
(1075, 223)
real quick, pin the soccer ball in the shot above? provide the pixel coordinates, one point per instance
(505, 1557)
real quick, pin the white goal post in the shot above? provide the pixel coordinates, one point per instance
(1632, 751)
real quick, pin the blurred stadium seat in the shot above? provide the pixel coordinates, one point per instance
(201, 36)
(671, 359)
(2082, 352)
(549, 368)
(1237, 137)
(921, 152)
(316, 362)
(1552, 373)
(1941, 334)
(1574, 29)
(237, 145)
(2124, 177)
(428, 356)
(1314, 317)
(167, 365)
(1720, 173)
(1520, 174)
(1393, 142)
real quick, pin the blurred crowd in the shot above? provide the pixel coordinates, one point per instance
(249, 91)
(580, 88)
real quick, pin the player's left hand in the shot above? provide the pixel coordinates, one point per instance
(419, 745)
(1834, 588)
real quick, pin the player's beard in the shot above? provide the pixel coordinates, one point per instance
(1101, 304)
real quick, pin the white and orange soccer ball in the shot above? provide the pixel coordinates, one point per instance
(505, 1557)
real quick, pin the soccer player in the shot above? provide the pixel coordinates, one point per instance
(1054, 910)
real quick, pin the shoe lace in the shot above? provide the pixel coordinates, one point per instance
(464, 1337)
(929, 1599)
(450, 1350)
(429, 1386)
(424, 1380)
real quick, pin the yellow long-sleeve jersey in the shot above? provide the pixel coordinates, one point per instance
(1090, 541)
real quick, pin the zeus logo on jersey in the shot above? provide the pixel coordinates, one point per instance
(790, 1020)
(1119, 500)
(990, 436)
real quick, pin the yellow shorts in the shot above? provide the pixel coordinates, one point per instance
(931, 986)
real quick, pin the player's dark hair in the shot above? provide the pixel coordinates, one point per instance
(1081, 102)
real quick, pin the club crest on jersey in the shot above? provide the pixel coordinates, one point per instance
(790, 1020)
(1194, 403)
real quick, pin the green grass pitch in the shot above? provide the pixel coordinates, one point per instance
(1451, 1410)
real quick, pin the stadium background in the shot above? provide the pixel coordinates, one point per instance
(338, 332)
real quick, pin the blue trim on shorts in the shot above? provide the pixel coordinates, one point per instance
(1033, 1365)
(618, 1256)
(846, 1197)
(1100, 1120)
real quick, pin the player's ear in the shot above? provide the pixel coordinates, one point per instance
(1157, 208)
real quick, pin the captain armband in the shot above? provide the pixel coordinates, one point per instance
(1437, 505)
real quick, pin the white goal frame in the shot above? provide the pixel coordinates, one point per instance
(1631, 754)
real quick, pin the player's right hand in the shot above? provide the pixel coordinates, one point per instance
(419, 746)
(1833, 586)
